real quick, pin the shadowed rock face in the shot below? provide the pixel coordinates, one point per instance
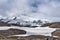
(52, 25)
(15, 24)
(56, 33)
(6, 33)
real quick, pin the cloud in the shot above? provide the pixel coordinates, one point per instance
(49, 9)
(5, 5)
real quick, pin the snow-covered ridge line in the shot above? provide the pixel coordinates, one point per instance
(22, 21)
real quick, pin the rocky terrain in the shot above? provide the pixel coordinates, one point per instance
(56, 33)
(52, 25)
(4, 24)
(5, 33)
(32, 37)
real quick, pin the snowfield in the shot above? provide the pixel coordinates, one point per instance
(46, 31)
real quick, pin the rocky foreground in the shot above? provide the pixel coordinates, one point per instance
(56, 33)
(32, 37)
(8, 35)
(5, 33)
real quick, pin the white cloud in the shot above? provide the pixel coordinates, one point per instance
(39, 9)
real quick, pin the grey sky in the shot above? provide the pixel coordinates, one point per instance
(49, 9)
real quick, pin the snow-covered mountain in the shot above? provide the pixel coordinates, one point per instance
(25, 20)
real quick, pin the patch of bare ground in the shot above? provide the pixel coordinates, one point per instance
(52, 25)
(56, 33)
(4, 24)
(47, 24)
(5, 33)
(32, 37)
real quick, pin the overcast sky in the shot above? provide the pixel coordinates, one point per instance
(48, 9)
